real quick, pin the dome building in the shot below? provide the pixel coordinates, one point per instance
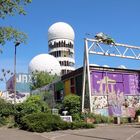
(61, 45)
(46, 63)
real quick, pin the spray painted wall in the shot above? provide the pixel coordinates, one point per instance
(23, 81)
(115, 93)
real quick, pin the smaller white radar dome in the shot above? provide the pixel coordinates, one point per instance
(60, 30)
(122, 67)
(46, 63)
(94, 65)
(106, 66)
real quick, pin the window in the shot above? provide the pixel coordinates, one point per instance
(72, 85)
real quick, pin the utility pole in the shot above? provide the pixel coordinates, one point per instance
(15, 53)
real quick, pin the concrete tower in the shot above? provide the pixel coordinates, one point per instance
(61, 45)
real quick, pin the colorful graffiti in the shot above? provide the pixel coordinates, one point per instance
(99, 102)
(23, 81)
(119, 93)
(103, 111)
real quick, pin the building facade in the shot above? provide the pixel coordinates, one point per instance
(114, 91)
(23, 81)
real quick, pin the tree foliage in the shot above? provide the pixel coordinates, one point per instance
(40, 79)
(11, 7)
(9, 33)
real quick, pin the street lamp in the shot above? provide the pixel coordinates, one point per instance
(16, 44)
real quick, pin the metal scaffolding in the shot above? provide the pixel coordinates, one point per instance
(98, 47)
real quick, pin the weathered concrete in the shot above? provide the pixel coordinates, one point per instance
(105, 132)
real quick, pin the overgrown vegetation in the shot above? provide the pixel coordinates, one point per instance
(6, 113)
(34, 104)
(72, 103)
(35, 115)
(42, 122)
(97, 118)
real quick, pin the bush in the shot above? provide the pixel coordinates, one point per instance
(77, 125)
(76, 117)
(124, 120)
(44, 122)
(41, 122)
(7, 113)
(72, 104)
(33, 104)
(6, 108)
(2, 121)
(97, 117)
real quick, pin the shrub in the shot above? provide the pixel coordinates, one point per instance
(97, 117)
(44, 122)
(6, 108)
(33, 104)
(7, 113)
(103, 119)
(124, 120)
(72, 104)
(76, 125)
(76, 117)
(41, 122)
(2, 121)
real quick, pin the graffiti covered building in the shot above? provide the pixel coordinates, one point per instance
(23, 81)
(114, 91)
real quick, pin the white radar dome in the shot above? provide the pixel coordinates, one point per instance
(106, 66)
(122, 67)
(46, 63)
(60, 30)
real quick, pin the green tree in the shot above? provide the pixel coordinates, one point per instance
(10, 8)
(9, 33)
(40, 79)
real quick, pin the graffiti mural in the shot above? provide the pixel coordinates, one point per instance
(23, 81)
(119, 92)
(99, 102)
(103, 111)
(132, 101)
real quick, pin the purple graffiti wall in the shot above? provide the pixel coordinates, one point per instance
(117, 93)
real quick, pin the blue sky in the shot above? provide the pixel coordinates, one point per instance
(117, 18)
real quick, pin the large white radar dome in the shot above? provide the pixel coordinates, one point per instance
(60, 30)
(46, 63)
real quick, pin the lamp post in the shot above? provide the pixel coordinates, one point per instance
(15, 53)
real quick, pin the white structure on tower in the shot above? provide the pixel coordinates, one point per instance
(61, 45)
